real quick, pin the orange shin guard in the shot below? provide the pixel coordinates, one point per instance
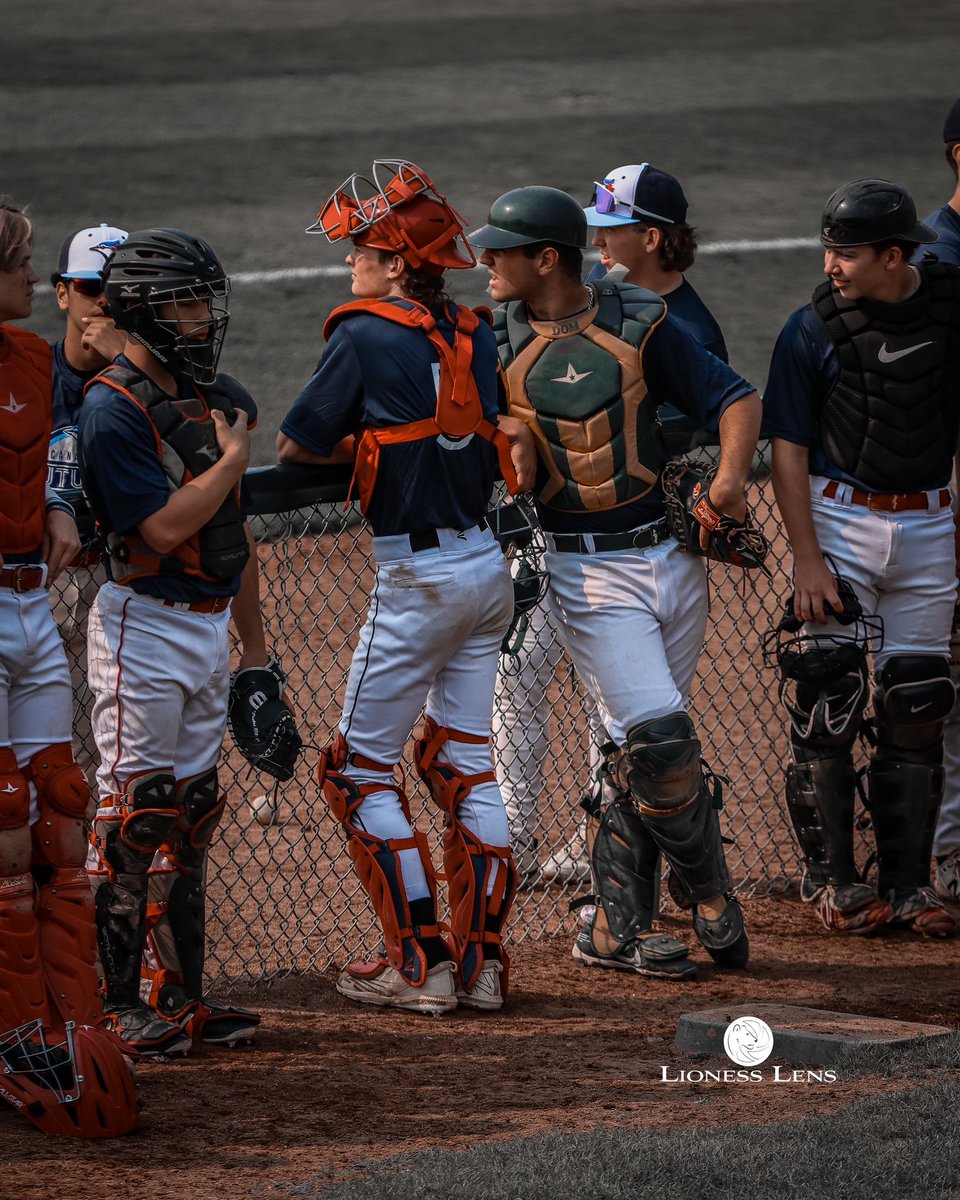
(377, 861)
(481, 879)
(68, 945)
(23, 992)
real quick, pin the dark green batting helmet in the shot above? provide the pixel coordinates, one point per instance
(532, 214)
(872, 210)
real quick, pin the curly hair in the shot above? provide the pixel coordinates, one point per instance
(16, 234)
(678, 246)
(425, 287)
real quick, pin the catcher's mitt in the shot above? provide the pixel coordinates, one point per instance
(686, 488)
(262, 725)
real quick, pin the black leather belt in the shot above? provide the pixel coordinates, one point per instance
(429, 539)
(632, 539)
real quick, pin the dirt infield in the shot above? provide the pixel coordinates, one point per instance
(331, 1086)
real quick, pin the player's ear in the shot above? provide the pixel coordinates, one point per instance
(63, 296)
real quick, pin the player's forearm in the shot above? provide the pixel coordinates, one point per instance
(739, 430)
(191, 507)
(289, 451)
(791, 486)
(246, 614)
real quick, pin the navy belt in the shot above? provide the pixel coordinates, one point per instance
(633, 539)
(429, 539)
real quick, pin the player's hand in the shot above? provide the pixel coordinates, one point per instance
(102, 335)
(61, 542)
(813, 585)
(523, 451)
(233, 440)
(728, 498)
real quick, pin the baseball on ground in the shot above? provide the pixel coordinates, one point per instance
(263, 809)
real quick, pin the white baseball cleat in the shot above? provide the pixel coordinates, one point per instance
(946, 879)
(379, 983)
(568, 864)
(485, 995)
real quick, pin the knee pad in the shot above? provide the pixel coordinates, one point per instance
(14, 792)
(377, 860)
(664, 763)
(63, 797)
(914, 695)
(481, 879)
(60, 781)
(128, 832)
(200, 806)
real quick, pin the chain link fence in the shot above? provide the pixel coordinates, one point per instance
(282, 897)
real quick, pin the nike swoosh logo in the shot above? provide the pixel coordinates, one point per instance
(915, 708)
(889, 356)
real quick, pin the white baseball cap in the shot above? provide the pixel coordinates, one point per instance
(635, 193)
(85, 253)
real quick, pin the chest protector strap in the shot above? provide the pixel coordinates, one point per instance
(459, 410)
(25, 406)
(187, 446)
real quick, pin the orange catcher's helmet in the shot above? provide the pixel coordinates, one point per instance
(400, 211)
(80, 1087)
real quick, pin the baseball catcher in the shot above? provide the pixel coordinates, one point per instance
(261, 723)
(700, 528)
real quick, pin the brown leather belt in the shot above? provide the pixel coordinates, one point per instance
(23, 577)
(215, 604)
(886, 501)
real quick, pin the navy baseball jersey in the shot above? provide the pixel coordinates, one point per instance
(376, 373)
(947, 223)
(686, 307)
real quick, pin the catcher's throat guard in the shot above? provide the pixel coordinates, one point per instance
(400, 210)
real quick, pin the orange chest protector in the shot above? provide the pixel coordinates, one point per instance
(26, 399)
(459, 411)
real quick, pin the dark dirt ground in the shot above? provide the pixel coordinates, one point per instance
(235, 121)
(331, 1085)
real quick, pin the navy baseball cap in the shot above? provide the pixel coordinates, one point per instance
(85, 254)
(637, 193)
(951, 126)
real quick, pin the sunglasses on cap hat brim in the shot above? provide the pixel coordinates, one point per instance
(606, 204)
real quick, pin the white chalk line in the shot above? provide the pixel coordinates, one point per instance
(285, 274)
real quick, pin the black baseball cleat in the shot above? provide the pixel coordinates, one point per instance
(655, 955)
(147, 1032)
(206, 1020)
(725, 939)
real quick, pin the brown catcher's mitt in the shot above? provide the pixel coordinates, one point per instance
(686, 488)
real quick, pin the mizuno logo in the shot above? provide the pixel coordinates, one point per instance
(572, 376)
(889, 356)
(12, 406)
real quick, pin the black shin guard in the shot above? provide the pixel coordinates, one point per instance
(625, 859)
(820, 801)
(904, 801)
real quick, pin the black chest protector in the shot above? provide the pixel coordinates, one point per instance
(578, 384)
(892, 417)
(187, 446)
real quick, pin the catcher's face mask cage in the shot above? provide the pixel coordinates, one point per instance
(523, 544)
(824, 677)
(195, 344)
(400, 211)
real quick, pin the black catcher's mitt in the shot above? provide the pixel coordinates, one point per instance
(262, 726)
(686, 488)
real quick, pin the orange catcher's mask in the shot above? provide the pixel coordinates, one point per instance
(400, 211)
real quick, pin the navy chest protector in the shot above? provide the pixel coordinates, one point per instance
(892, 417)
(186, 446)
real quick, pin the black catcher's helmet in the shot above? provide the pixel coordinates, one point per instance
(532, 214)
(871, 210)
(158, 267)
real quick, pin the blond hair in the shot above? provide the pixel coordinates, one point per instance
(16, 234)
